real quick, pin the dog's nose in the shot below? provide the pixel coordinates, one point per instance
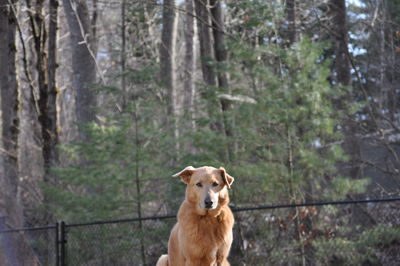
(208, 203)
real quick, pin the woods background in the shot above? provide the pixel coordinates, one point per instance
(102, 101)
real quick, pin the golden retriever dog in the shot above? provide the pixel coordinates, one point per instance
(203, 233)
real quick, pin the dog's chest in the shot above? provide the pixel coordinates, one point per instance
(210, 231)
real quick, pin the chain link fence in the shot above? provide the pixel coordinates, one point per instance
(122, 242)
(340, 233)
(29, 246)
(362, 232)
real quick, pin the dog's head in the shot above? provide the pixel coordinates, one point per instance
(206, 186)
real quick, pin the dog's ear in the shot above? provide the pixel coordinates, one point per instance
(185, 174)
(227, 178)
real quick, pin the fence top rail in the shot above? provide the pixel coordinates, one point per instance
(37, 228)
(239, 209)
(234, 209)
(146, 218)
(318, 203)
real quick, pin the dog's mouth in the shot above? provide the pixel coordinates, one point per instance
(208, 207)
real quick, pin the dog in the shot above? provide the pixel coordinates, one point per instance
(203, 234)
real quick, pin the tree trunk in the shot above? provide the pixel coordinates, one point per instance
(123, 54)
(49, 123)
(341, 63)
(39, 35)
(291, 21)
(221, 56)
(190, 64)
(168, 66)
(83, 60)
(93, 27)
(14, 250)
(219, 43)
(9, 95)
(393, 50)
(342, 77)
(207, 59)
(45, 64)
(167, 54)
(46, 69)
(206, 47)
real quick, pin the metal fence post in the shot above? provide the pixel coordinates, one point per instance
(63, 242)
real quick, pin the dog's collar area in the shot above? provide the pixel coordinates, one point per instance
(211, 213)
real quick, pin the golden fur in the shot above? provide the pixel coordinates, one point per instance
(203, 234)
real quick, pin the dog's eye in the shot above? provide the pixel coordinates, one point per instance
(215, 184)
(199, 184)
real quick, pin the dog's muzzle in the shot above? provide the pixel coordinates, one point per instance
(208, 203)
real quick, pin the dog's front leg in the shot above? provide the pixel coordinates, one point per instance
(201, 262)
(222, 255)
(223, 252)
(223, 263)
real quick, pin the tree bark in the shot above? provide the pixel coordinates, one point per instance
(168, 66)
(206, 47)
(220, 52)
(342, 76)
(39, 35)
(83, 60)
(49, 125)
(291, 21)
(123, 53)
(190, 63)
(93, 27)
(46, 69)
(207, 58)
(221, 57)
(167, 54)
(9, 95)
(14, 250)
(341, 63)
(45, 55)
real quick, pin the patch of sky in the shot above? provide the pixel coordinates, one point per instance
(358, 35)
(355, 50)
(361, 117)
(317, 143)
(384, 111)
(101, 54)
(357, 15)
(357, 3)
